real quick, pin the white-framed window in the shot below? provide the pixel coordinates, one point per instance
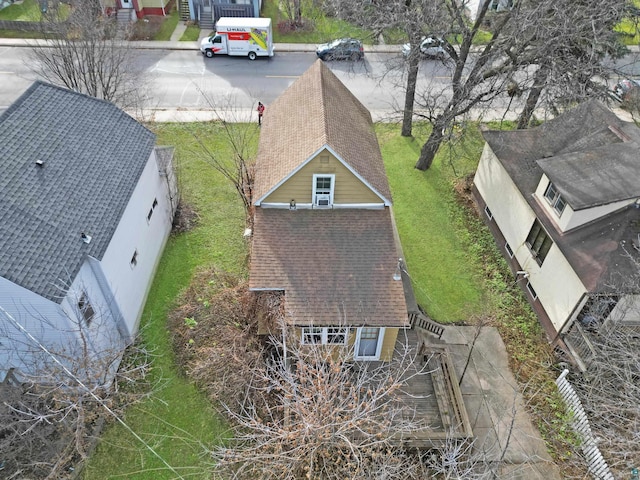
(555, 199)
(368, 343)
(134, 259)
(153, 207)
(325, 335)
(509, 250)
(532, 292)
(488, 213)
(323, 185)
(86, 310)
(538, 242)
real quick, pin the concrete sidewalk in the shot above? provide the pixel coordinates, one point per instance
(504, 435)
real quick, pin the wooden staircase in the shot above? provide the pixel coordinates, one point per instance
(183, 10)
(421, 322)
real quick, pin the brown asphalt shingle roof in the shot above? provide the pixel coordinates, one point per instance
(317, 110)
(336, 266)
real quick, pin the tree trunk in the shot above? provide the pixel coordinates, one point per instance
(539, 81)
(412, 80)
(430, 148)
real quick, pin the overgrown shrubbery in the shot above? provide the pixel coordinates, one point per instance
(215, 335)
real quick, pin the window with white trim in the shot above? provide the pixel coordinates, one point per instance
(539, 242)
(488, 213)
(555, 199)
(323, 185)
(325, 335)
(134, 259)
(532, 292)
(509, 250)
(86, 310)
(153, 207)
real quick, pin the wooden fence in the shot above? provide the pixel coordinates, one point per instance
(597, 464)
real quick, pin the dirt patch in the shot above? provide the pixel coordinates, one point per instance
(146, 28)
(185, 219)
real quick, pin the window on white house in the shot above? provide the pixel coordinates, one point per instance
(323, 190)
(509, 250)
(325, 335)
(539, 242)
(555, 199)
(86, 310)
(487, 211)
(153, 207)
(134, 259)
(532, 292)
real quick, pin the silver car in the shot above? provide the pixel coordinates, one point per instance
(430, 47)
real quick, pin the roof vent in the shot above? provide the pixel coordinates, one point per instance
(40, 163)
(85, 238)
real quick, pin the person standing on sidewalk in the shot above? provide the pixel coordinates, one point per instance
(260, 110)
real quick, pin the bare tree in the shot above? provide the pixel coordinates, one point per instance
(238, 166)
(562, 43)
(53, 407)
(311, 413)
(83, 53)
(610, 393)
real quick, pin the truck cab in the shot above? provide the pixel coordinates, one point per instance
(214, 45)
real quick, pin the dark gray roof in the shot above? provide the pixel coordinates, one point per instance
(93, 155)
(593, 158)
(597, 176)
(574, 150)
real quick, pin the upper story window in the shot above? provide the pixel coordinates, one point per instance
(539, 242)
(323, 185)
(555, 199)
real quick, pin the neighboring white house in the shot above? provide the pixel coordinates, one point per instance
(562, 201)
(87, 202)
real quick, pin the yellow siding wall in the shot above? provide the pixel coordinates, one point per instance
(388, 344)
(348, 188)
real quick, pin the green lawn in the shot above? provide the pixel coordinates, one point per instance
(168, 26)
(431, 227)
(27, 11)
(179, 422)
(321, 28)
(191, 34)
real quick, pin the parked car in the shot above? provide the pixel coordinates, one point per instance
(430, 47)
(341, 49)
(626, 90)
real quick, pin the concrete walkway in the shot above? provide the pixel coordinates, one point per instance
(504, 434)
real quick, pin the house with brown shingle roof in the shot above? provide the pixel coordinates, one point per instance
(323, 230)
(563, 202)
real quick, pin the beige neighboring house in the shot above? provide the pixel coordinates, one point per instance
(563, 202)
(323, 229)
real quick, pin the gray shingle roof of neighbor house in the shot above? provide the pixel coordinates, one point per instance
(593, 158)
(317, 110)
(92, 156)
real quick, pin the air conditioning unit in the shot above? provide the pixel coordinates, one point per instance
(323, 200)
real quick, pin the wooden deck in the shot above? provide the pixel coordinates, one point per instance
(431, 393)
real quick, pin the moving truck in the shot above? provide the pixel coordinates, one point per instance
(249, 37)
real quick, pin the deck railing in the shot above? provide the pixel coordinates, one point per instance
(421, 321)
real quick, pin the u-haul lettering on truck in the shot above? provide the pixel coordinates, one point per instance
(238, 36)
